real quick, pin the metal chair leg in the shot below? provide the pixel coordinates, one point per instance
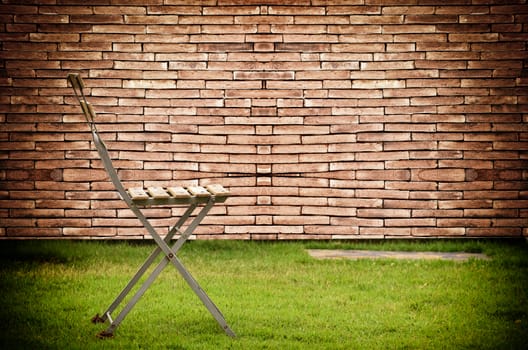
(211, 307)
(143, 268)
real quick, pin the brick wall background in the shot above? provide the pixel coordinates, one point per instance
(327, 119)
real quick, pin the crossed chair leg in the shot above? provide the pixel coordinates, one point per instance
(169, 258)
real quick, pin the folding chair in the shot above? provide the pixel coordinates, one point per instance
(192, 197)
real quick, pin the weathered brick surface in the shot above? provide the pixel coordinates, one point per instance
(326, 119)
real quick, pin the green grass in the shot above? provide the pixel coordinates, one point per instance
(273, 295)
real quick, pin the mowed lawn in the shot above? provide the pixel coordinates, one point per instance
(273, 295)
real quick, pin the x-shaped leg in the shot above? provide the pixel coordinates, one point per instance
(170, 257)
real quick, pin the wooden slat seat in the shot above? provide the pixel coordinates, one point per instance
(158, 192)
(177, 195)
(198, 191)
(138, 193)
(179, 192)
(218, 190)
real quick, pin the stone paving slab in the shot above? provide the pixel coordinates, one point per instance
(372, 254)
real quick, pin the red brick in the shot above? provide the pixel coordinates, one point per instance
(355, 222)
(229, 10)
(355, 48)
(438, 232)
(488, 37)
(436, 18)
(365, 20)
(466, 186)
(387, 65)
(263, 46)
(33, 232)
(412, 186)
(519, 222)
(486, 18)
(264, 20)
(382, 232)
(383, 213)
(409, 204)
(55, 222)
(369, 137)
(465, 222)
(370, 193)
(495, 232)
(436, 195)
(383, 175)
(437, 213)
(35, 175)
(44, 18)
(465, 204)
(354, 203)
(86, 232)
(410, 222)
(446, 175)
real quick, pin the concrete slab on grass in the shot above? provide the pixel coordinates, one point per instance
(372, 254)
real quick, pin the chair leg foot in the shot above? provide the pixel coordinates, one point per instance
(105, 335)
(98, 319)
(229, 332)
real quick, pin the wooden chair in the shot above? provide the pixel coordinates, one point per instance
(192, 197)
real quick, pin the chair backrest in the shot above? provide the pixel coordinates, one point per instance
(89, 113)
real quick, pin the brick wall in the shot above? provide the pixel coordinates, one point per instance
(327, 119)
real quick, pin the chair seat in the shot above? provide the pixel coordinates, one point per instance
(177, 195)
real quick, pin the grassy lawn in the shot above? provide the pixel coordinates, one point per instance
(273, 295)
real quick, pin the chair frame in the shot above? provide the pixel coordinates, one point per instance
(193, 197)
